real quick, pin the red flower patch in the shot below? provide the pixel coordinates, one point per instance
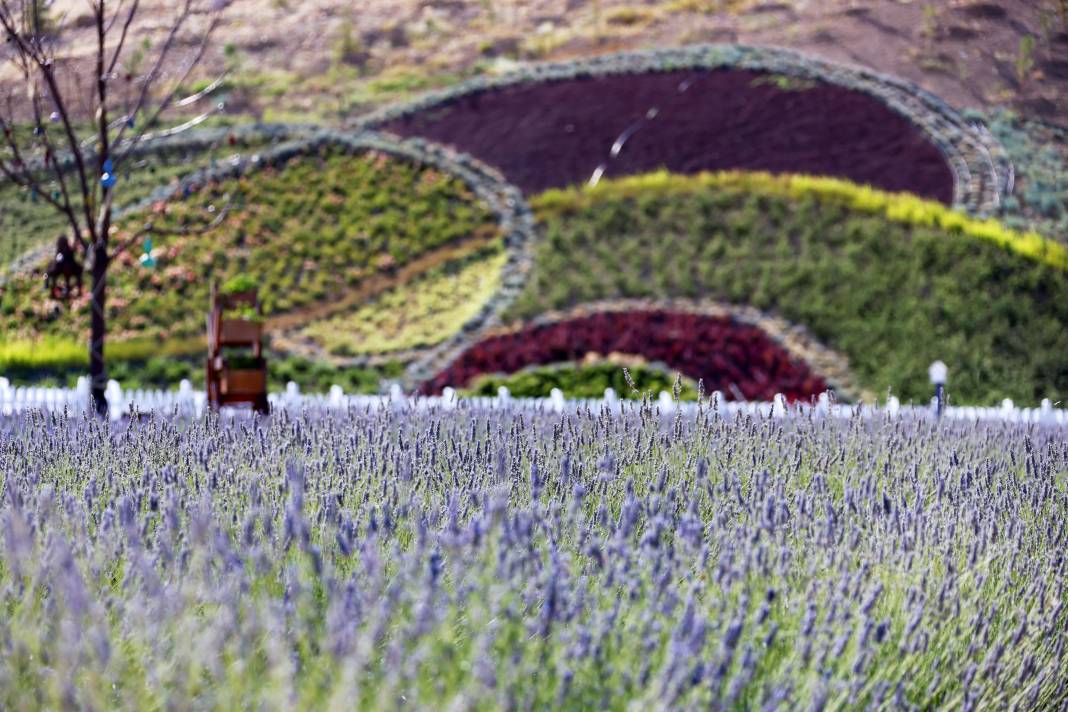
(736, 358)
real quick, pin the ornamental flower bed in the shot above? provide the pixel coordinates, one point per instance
(521, 560)
(735, 358)
(552, 134)
(890, 295)
(342, 202)
(981, 168)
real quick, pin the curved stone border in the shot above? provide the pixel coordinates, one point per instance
(981, 168)
(831, 366)
(194, 140)
(288, 340)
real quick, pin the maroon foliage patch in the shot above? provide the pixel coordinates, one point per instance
(739, 359)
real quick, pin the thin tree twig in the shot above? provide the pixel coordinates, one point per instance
(150, 228)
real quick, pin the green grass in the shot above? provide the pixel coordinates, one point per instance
(416, 315)
(584, 381)
(892, 294)
(61, 352)
(306, 231)
(903, 208)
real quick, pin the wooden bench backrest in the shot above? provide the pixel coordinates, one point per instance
(235, 300)
(232, 332)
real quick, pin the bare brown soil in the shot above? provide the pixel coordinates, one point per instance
(329, 58)
(550, 135)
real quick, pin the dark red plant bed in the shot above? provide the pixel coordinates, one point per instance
(554, 134)
(733, 357)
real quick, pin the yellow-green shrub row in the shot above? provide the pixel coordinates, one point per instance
(896, 207)
(416, 315)
(52, 351)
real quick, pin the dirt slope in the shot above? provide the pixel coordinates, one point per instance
(328, 58)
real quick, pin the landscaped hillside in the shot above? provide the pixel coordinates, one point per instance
(415, 315)
(308, 231)
(368, 264)
(328, 59)
(888, 291)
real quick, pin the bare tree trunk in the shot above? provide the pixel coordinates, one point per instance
(54, 90)
(98, 375)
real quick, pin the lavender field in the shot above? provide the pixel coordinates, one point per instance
(507, 559)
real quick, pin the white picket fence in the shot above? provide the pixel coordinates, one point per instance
(187, 401)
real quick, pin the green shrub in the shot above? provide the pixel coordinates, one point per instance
(51, 352)
(584, 381)
(896, 207)
(166, 372)
(48, 351)
(240, 283)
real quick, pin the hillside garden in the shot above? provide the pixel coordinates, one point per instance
(373, 268)
(552, 134)
(723, 354)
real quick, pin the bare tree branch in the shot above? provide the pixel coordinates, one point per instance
(51, 161)
(20, 174)
(33, 51)
(150, 227)
(166, 102)
(151, 76)
(43, 157)
(122, 37)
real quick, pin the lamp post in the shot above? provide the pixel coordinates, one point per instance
(938, 372)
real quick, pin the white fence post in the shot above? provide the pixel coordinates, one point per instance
(556, 400)
(113, 393)
(187, 401)
(448, 398)
(610, 398)
(778, 406)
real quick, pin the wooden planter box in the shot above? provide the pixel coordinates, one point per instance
(243, 381)
(233, 332)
